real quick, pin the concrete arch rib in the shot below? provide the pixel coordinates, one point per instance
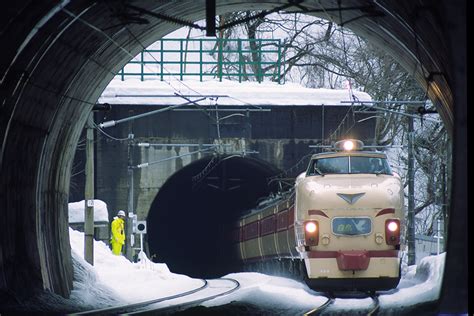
(50, 83)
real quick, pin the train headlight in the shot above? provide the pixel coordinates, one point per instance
(392, 226)
(348, 145)
(311, 233)
(311, 227)
(392, 232)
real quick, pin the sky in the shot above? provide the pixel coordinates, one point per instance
(115, 281)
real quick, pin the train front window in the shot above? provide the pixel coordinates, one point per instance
(349, 164)
(360, 164)
(334, 165)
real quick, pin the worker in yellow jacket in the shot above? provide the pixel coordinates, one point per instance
(117, 239)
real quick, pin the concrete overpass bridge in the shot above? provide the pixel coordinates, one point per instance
(58, 56)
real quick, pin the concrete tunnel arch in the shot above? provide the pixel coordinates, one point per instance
(189, 223)
(55, 64)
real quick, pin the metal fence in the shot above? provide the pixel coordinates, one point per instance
(217, 58)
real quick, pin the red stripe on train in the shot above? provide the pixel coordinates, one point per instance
(386, 211)
(370, 254)
(317, 212)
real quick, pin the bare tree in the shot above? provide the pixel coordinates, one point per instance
(320, 54)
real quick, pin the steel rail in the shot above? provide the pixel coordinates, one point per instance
(188, 304)
(131, 307)
(376, 306)
(321, 308)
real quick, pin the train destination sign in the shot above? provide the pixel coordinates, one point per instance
(351, 226)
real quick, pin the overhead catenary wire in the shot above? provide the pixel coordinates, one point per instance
(177, 92)
(181, 82)
(46, 89)
(58, 8)
(138, 41)
(109, 38)
(93, 27)
(392, 111)
(90, 25)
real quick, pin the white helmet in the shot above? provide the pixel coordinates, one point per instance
(121, 213)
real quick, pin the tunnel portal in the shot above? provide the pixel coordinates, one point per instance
(58, 57)
(190, 222)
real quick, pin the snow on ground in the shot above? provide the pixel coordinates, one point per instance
(421, 283)
(76, 212)
(113, 280)
(128, 282)
(285, 295)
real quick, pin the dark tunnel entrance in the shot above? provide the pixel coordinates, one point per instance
(190, 224)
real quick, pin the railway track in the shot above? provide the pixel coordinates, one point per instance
(320, 310)
(215, 288)
(376, 305)
(209, 290)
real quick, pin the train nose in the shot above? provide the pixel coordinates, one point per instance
(353, 260)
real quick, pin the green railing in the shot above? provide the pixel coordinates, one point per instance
(218, 58)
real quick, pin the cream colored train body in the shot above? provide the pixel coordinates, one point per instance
(357, 213)
(344, 219)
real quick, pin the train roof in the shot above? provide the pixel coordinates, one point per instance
(268, 201)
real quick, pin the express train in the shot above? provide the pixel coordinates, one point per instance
(338, 228)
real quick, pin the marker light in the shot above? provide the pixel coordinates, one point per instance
(310, 227)
(348, 145)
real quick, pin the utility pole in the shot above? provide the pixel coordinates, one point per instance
(438, 237)
(322, 123)
(89, 193)
(129, 241)
(411, 194)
